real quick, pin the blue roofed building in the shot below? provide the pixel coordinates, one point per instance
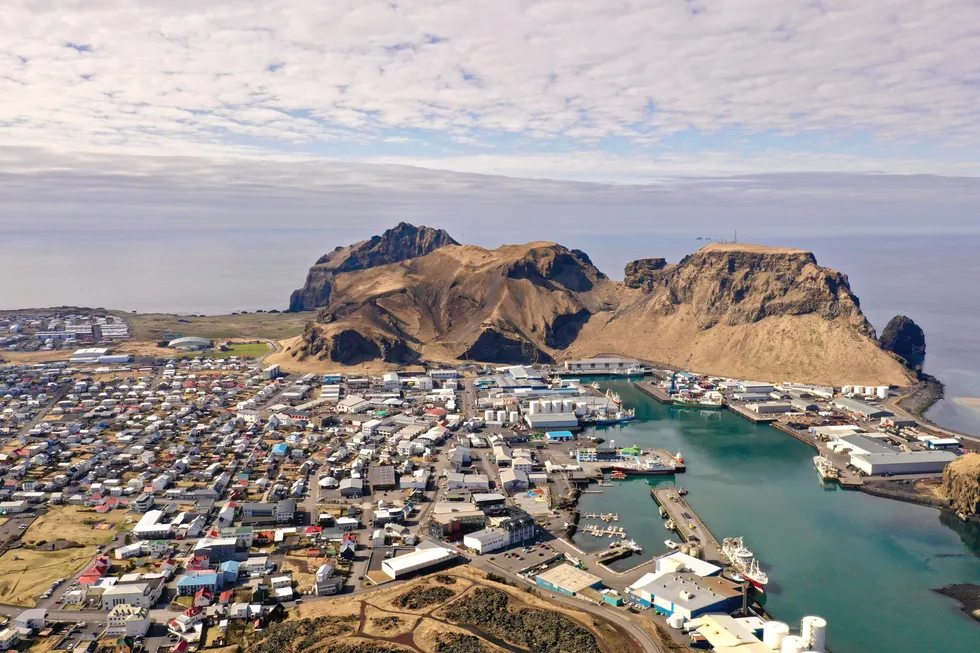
(190, 583)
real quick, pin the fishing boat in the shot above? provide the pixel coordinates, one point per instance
(682, 491)
(826, 468)
(663, 512)
(614, 397)
(671, 544)
(649, 466)
(670, 525)
(744, 562)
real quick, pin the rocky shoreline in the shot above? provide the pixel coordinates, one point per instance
(927, 392)
(907, 492)
(968, 594)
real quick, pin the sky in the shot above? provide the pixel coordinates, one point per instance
(634, 115)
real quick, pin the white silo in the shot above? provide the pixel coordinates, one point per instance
(534, 406)
(773, 633)
(792, 644)
(513, 417)
(545, 406)
(813, 631)
(488, 415)
(556, 405)
(882, 392)
(567, 406)
(859, 389)
(846, 390)
(502, 416)
(676, 621)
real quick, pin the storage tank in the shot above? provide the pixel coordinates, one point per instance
(513, 417)
(882, 392)
(488, 415)
(676, 621)
(502, 416)
(859, 389)
(534, 406)
(567, 406)
(792, 644)
(773, 633)
(813, 631)
(545, 406)
(556, 405)
(846, 390)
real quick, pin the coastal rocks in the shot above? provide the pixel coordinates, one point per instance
(905, 338)
(402, 242)
(352, 347)
(961, 485)
(968, 594)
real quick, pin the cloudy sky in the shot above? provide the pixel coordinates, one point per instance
(598, 90)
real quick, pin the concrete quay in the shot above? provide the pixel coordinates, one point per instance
(689, 525)
(654, 391)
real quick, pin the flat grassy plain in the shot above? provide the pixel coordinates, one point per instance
(25, 579)
(273, 326)
(69, 523)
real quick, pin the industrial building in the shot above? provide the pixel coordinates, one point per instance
(860, 408)
(875, 457)
(771, 408)
(93, 355)
(426, 556)
(604, 364)
(567, 580)
(688, 594)
(551, 414)
(381, 477)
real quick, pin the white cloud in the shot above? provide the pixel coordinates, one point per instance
(231, 78)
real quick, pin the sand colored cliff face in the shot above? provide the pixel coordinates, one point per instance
(961, 484)
(739, 310)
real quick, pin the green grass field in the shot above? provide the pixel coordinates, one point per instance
(274, 326)
(254, 350)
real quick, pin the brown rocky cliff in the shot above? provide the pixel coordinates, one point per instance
(402, 242)
(961, 485)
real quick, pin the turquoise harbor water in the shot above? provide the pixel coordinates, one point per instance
(867, 565)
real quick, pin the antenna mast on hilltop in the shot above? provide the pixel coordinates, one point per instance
(736, 236)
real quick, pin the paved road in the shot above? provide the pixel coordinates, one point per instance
(892, 404)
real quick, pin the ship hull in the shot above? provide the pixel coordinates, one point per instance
(643, 472)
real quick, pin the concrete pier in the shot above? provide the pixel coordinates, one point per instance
(751, 416)
(689, 525)
(654, 391)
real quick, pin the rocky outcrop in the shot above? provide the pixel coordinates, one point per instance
(738, 310)
(402, 242)
(350, 346)
(961, 485)
(644, 272)
(904, 338)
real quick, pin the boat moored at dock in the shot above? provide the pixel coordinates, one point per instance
(744, 562)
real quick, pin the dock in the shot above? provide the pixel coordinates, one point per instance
(846, 478)
(603, 516)
(654, 391)
(689, 525)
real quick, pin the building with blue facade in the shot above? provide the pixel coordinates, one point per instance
(559, 436)
(189, 584)
(687, 594)
(567, 580)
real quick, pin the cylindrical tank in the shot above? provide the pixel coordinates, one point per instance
(513, 417)
(813, 631)
(556, 405)
(676, 621)
(488, 415)
(534, 406)
(792, 644)
(859, 389)
(882, 392)
(567, 406)
(773, 633)
(846, 390)
(545, 405)
(502, 416)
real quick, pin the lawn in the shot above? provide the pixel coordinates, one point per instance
(252, 350)
(274, 326)
(76, 524)
(25, 579)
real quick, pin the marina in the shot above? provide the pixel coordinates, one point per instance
(751, 480)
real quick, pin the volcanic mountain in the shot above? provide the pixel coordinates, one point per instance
(739, 310)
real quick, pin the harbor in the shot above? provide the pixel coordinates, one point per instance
(751, 480)
(687, 524)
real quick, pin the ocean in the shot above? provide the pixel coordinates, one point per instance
(935, 280)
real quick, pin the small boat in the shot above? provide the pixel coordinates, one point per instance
(671, 544)
(663, 512)
(682, 491)
(670, 525)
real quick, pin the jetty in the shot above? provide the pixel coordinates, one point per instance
(603, 516)
(608, 531)
(688, 525)
(653, 390)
